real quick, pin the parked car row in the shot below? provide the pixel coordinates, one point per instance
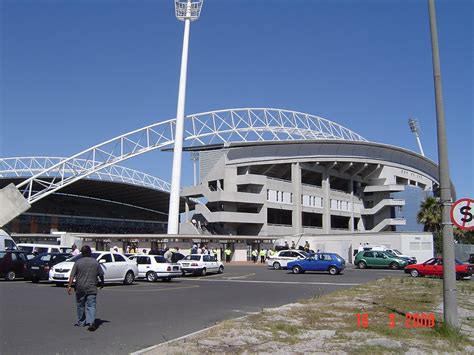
(56, 267)
(299, 262)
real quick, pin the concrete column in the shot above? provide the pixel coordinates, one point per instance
(296, 183)
(186, 209)
(326, 202)
(351, 189)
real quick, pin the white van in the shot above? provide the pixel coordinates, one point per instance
(40, 248)
(6, 242)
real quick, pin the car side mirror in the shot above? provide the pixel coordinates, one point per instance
(102, 261)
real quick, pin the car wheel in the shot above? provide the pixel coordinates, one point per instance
(35, 280)
(393, 266)
(129, 278)
(414, 273)
(10, 275)
(458, 277)
(277, 266)
(296, 269)
(183, 273)
(221, 270)
(203, 272)
(151, 276)
(333, 270)
(362, 265)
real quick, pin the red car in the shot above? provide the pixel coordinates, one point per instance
(434, 267)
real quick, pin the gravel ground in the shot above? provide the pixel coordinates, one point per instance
(328, 324)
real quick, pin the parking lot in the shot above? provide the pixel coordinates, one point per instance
(39, 318)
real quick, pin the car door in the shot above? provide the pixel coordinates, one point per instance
(438, 268)
(144, 265)
(206, 259)
(381, 260)
(369, 257)
(310, 264)
(428, 267)
(323, 262)
(120, 265)
(107, 265)
(284, 258)
(18, 261)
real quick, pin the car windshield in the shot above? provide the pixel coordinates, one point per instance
(458, 262)
(397, 252)
(193, 257)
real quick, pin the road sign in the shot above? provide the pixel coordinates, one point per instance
(462, 213)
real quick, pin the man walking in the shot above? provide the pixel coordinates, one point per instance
(86, 270)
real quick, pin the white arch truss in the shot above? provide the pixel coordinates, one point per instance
(25, 167)
(244, 124)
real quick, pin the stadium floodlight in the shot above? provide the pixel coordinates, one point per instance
(415, 129)
(187, 11)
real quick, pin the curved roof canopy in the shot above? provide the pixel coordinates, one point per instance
(223, 126)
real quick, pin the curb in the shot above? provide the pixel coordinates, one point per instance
(139, 352)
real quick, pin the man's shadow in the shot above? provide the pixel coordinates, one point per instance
(98, 322)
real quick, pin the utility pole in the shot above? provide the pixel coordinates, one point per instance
(450, 303)
(187, 11)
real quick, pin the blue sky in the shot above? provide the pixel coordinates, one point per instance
(75, 73)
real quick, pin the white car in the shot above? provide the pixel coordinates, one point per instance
(201, 264)
(283, 257)
(117, 268)
(153, 267)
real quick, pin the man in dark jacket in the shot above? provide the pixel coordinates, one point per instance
(87, 271)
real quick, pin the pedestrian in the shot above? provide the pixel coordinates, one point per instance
(227, 253)
(254, 255)
(262, 255)
(214, 253)
(306, 246)
(168, 254)
(293, 245)
(194, 249)
(269, 253)
(75, 251)
(87, 271)
(286, 245)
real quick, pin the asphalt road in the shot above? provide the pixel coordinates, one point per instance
(39, 318)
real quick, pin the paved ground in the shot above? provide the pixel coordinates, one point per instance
(39, 318)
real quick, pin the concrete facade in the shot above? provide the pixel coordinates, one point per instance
(310, 188)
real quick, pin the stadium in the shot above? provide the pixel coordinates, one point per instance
(265, 175)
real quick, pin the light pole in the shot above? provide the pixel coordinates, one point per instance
(415, 128)
(450, 302)
(187, 11)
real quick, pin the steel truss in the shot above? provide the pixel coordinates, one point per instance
(246, 124)
(25, 167)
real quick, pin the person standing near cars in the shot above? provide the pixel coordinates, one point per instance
(75, 251)
(262, 255)
(86, 271)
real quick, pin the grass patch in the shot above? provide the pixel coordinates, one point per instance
(286, 328)
(453, 335)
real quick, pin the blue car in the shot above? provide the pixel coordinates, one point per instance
(330, 262)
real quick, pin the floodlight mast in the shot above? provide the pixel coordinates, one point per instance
(415, 128)
(187, 11)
